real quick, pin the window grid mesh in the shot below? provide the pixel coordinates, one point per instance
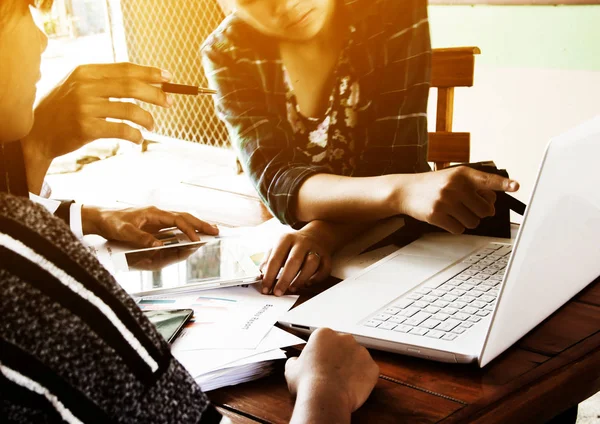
(168, 34)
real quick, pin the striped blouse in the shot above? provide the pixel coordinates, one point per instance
(74, 347)
(390, 51)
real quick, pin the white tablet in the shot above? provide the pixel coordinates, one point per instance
(185, 267)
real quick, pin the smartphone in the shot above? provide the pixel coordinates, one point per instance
(170, 322)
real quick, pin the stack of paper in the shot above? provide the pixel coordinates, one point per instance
(232, 338)
(235, 375)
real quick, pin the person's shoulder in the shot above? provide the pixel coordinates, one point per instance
(23, 211)
(30, 224)
(225, 35)
(233, 37)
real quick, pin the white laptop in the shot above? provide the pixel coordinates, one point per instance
(467, 298)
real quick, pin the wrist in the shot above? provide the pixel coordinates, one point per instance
(33, 150)
(323, 402)
(325, 232)
(36, 164)
(90, 220)
(396, 193)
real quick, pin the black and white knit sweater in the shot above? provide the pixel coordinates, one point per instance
(74, 347)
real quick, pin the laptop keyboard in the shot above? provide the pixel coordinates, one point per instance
(450, 308)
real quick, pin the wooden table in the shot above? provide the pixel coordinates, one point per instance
(551, 369)
(554, 367)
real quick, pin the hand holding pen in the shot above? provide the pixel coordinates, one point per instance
(95, 102)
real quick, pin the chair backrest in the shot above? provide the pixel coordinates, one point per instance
(451, 67)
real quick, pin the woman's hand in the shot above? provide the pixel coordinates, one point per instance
(304, 258)
(136, 226)
(75, 112)
(453, 199)
(332, 378)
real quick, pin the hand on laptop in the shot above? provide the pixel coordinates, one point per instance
(75, 111)
(136, 225)
(332, 378)
(303, 257)
(453, 199)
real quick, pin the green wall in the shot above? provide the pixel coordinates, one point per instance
(549, 37)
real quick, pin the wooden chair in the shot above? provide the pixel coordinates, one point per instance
(451, 67)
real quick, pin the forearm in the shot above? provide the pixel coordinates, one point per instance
(349, 199)
(36, 165)
(315, 406)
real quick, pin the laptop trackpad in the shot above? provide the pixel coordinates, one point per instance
(406, 271)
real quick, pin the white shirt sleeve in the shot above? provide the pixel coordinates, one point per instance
(76, 221)
(51, 205)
